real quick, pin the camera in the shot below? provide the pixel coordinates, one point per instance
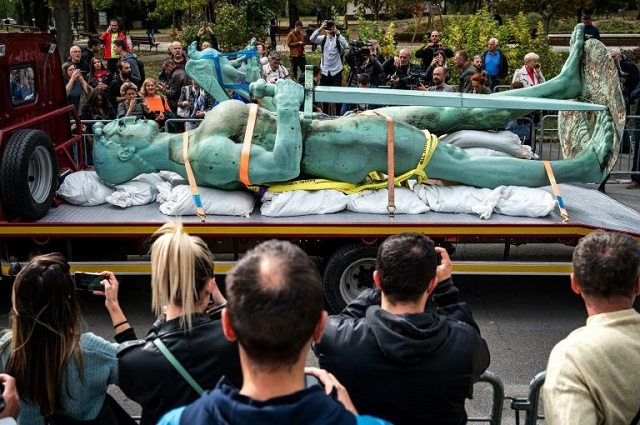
(330, 25)
(360, 49)
(415, 79)
(88, 281)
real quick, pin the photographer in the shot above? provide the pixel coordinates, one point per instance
(426, 52)
(362, 60)
(402, 73)
(439, 60)
(332, 46)
(364, 82)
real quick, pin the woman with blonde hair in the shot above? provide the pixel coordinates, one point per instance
(57, 368)
(157, 103)
(188, 302)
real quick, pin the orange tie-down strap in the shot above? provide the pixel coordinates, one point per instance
(391, 207)
(556, 191)
(246, 145)
(191, 178)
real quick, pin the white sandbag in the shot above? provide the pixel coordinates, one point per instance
(525, 202)
(503, 141)
(302, 202)
(173, 178)
(164, 192)
(454, 199)
(214, 202)
(507, 200)
(376, 201)
(139, 191)
(485, 152)
(84, 188)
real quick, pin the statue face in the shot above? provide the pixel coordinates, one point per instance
(118, 146)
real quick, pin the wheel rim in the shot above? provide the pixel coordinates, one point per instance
(357, 277)
(40, 174)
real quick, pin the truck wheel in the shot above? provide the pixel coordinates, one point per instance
(28, 173)
(348, 272)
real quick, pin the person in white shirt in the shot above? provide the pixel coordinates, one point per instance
(332, 46)
(273, 71)
(593, 375)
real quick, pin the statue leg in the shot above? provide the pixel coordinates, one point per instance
(566, 85)
(440, 120)
(451, 163)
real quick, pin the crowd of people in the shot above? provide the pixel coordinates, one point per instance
(386, 358)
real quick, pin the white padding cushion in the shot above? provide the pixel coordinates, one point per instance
(214, 202)
(84, 188)
(302, 202)
(376, 201)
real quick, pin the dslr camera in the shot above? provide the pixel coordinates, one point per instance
(330, 25)
(360, 49)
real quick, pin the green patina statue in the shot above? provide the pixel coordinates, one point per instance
(347, 149)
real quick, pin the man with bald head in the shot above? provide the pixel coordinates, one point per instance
(399, 68)
(438, 76)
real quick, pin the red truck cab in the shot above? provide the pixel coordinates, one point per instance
(36, 138)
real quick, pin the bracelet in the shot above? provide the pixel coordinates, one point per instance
(120, 324)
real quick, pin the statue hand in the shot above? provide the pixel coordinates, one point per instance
(289, 95)
(262, 89)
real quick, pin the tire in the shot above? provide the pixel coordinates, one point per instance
(28, 175)
(348, 272)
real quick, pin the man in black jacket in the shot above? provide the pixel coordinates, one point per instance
(399, 362)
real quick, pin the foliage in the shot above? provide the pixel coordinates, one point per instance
(236, 25)
(378, 6)
(373, 30)
(188, 35)
(474, 33)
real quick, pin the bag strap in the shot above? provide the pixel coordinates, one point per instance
(176, 364)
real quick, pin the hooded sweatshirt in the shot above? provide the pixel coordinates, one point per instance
(225, 405)
(428, 362)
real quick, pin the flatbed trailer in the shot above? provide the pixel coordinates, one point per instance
(109, 238)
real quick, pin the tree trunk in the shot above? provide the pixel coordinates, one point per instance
(64, 37)
(89, 21)
(294, 14)
(40, 13)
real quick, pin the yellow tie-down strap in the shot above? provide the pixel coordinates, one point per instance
(375, 181)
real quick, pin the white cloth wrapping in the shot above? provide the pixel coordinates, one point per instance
(302, 202)
(507, 200)
(84, 188)
(502, 141)
(139, 191)
(376, 201)
(214, 202)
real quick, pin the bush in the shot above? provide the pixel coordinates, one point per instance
(515, 39)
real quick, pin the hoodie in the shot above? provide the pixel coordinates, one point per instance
(428, 362)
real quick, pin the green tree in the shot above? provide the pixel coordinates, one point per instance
(373, 30)
(552, 9)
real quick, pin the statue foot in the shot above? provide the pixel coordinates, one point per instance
(571, 73)
(602, 139)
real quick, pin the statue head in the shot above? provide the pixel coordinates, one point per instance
(117, 149)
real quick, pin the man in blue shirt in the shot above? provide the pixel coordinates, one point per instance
(274, 311)
(495, 63)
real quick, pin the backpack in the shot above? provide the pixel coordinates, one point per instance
(140, 68)
(338, 45)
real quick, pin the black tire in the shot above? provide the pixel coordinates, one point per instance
(348, 272)
(28, 175)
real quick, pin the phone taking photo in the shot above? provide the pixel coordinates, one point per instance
(89, 281)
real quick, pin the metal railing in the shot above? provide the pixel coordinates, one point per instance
(531, 403)
(547, 144)
(497, 387)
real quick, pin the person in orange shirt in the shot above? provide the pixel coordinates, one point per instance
(157, 103)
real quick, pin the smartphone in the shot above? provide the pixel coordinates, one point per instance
(89, 281)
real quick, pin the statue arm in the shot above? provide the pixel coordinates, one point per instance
(283, 162)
